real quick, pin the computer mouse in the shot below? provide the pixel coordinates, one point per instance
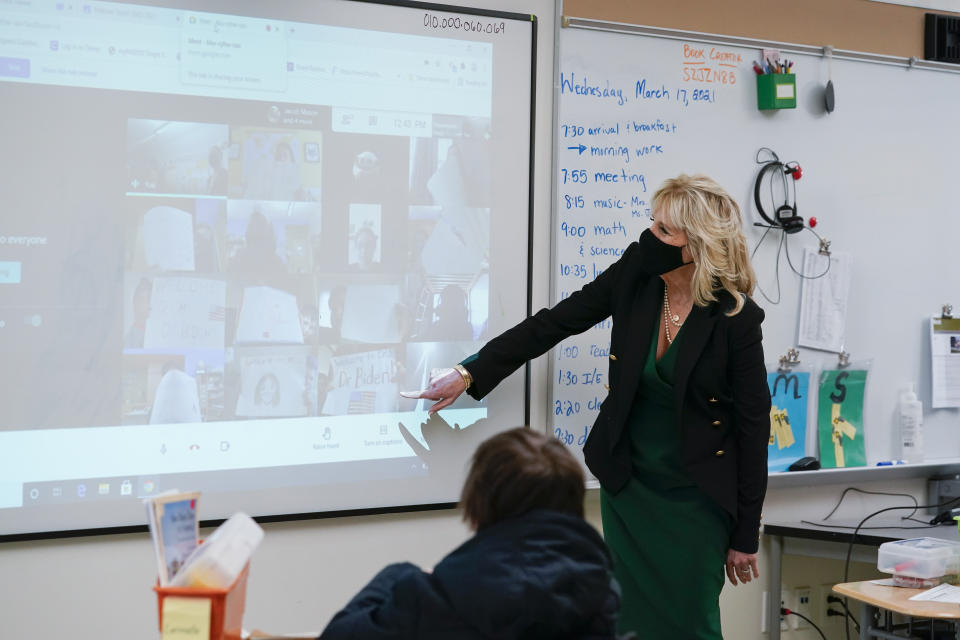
(807, 463)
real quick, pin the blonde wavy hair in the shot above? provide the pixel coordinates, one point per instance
(712, 221)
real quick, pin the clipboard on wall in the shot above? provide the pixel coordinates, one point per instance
(945, 359)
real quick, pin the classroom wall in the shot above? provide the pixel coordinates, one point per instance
(99, 587)
(857, 25)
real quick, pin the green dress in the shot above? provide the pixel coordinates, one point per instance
(669, 540)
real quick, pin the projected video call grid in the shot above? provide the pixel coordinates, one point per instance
(272, 271)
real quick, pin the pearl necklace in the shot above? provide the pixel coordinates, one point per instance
(669, 316)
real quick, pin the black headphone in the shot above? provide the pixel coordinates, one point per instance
(785, 217)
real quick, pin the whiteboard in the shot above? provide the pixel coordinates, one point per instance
(878, 175)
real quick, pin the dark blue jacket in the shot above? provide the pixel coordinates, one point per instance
(542, 575)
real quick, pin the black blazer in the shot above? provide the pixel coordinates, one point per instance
(720, 384)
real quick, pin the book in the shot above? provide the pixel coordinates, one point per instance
(174, 527)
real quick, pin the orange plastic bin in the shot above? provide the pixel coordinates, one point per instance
(226, 606)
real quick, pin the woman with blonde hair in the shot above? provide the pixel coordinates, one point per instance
(680, 443)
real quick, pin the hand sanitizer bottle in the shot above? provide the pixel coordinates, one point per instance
(911, 426)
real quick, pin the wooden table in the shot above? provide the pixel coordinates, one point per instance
(875, 598)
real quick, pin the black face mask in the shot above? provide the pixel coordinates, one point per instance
(657, 256)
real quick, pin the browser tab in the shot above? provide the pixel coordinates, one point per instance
(218, 51)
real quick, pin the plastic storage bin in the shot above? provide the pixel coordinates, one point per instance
(226, 606)
(219, 560)
(777, 91)
(922, 558)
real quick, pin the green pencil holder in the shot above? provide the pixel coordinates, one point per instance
(777, 91)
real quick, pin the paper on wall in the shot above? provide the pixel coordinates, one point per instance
(840, 418)
(945, 358)
(823, 303)
(789, 393)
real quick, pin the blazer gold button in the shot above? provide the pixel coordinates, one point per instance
(607, 387)
(720, 453)
(712, 400)
(613, 357)
(716, 423)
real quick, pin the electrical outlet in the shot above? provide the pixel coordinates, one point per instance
(825, 591)
(803, 606)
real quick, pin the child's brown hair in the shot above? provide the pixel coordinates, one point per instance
(517, 471)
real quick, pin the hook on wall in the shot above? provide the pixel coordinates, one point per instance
(789, 360)
(829, 97)
(843, 359)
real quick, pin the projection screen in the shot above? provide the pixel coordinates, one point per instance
(233, 232)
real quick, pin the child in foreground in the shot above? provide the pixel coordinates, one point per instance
(534, 569)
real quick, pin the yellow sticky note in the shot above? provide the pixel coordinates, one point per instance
(186, 618)
(841, 428)
(840, 425)
(774, 412)
(780, 427)
(846, 429)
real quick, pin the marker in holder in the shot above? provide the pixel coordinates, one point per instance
(776, 91)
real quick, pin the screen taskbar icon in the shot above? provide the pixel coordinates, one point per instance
(85, 489)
